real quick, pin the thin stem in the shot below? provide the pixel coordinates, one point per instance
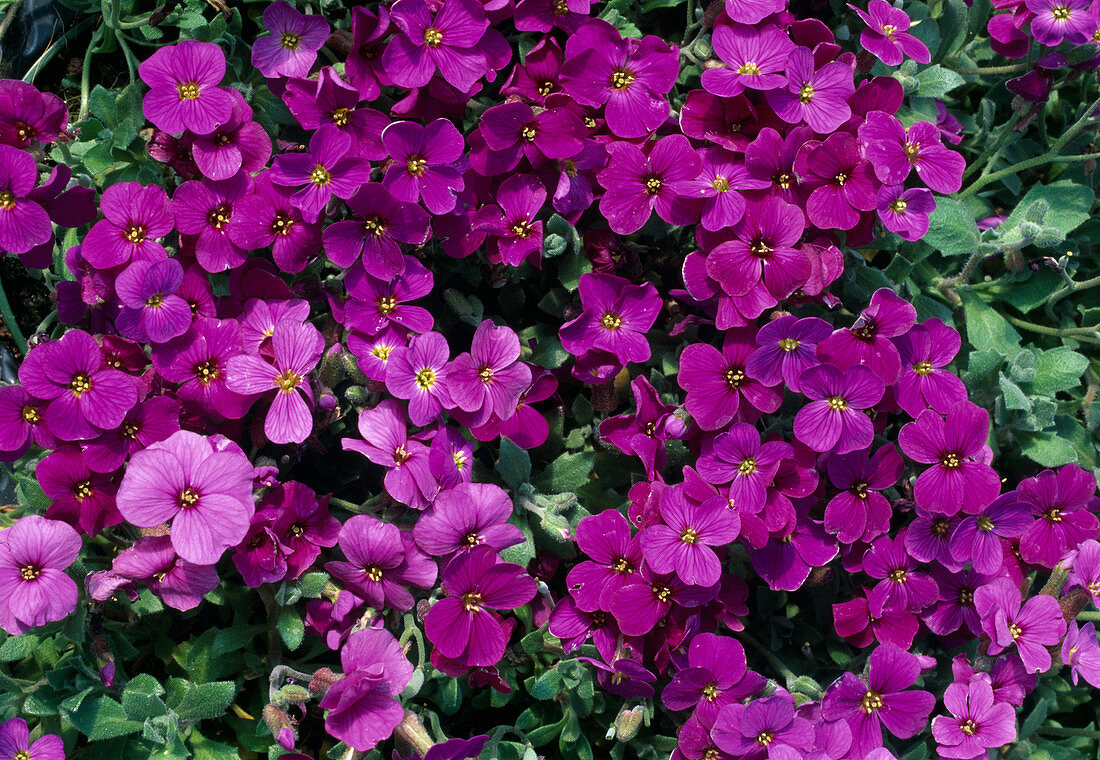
(1090, 334)
(1089, 733)
(9, 321)
(52, 50)
(344, 504)
(767, 654)
(1072, 287)
(9, 17)
(86, 74)
(1089, 616)
(965, 273)
(1010, 69)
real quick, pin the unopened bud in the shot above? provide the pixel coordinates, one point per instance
(627, 723)
(1049, 237)
(1029, 231)
(294, 693)
(322, 680)
(276, 719)
(1037, 210)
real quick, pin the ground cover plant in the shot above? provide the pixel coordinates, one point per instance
(551, 378)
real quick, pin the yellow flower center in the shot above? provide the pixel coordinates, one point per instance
(765, 738)
(528, 133)
(871, 702)
(374, 226)
(341, 117)
(386, 304)
(433, 37)
(623, 566)
(80, 384)
(837, 404)
(135, 234)
(923, 368)
(621, 79)
(425, 378)
(898, 206)
(841, 178)
(522, 229)
(188, 90)
(806, 93)
(374, 573)
(788, 344)
(748, 68)
(29, 573)
(459, 458)
(7, 200)
(206, 372)
(969, 727)
(1060, 13)
(561, 8)
(985, 524)
(416, 166)
(889, 30)
(486, 375)
(281, 225)
(31, 415)
(290, 40)
(652, 186)
(897, 576)
(747, 467)
(912, 151)
(155, 300)
(319, 176)
(710, 692)
(966, 597)
(1054, 515)
(721, 184)
(663, 593)
(129, 430)
(611, 321)
(689, 536)
(760, 249)
(187, 498)
(82, 490)
(287, 381)
(734, 377)
(951, 461)
(219, 217)
(381, 352)
(472, 601)
(1016, 631)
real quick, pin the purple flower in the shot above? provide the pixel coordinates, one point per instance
(1032, 626)
(977, 723)
(867, 342)
(291, 48)
(682, 544)
(519, 234)
(864, 621)
(329, 168)
(784, 561)
(381, 223)
(198, 359)
(297, 348)
(489, 379)
(1057, 20)
(424, 159)
(762, 252)
(924, 383)
(22, 423)
(302, 524)
(364, 67)
(859, 512)
(1062, 502)
(15, 742)
(890, 562)
(268, 217)
(468, 515)
(928, 538)
(718, 381)
(648, 598)
(84, 396)
(206, 210)
(886, 37)
(818, 97)
(754, 59)
(330, 100)
(616, 317)
(614, 555)
(183, 87)
(512, 131)
(385, 442)
(449, 457)
(419, 374)
(574, 627)
(638, 183)
(445, 41)
(381, 563)
(628, 77)
(979, 539)
(1086, 568)
(905, 212)
(955, 607)
(716, 675)
(178, 583)
(544, 15)
(880, 699)
(763, 728)
(738, 456)
(377, 304)
(719, 180)
(151, 309)
(81, 498)
(204, 485)
(461, 625)
(787, 348)
(1081, 651)
(643, 434)
(893, 150)
(362, 706)
(34, 589)
(135, 217)
(958, 479)
(24, 224)
(841, 183)
(834, 419)
(237, 143)
(29, 117)
(625, 677)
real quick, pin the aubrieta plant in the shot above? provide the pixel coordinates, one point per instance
(446, 379)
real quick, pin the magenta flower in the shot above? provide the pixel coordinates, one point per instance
(331, 100)
(22, 423)
(152, 311)
(818, 97)
(1057, 20)
(719, 180)
(894, 150)
(15, 742)
(1085, 572)
(29, 117)
(682, 545)
(24, 224)
(865, 621)
(198, 360)
(616, 317)
(291, 48)
(303, 524)
(1032, 626)
(183, 88)
(754, 60)
(468, 515)
(444, 41)
(867, 342)
(382, 562)
(859, 512)
(364, 67)
(489, 379)
(203, 485)
(462, 625)
(637, 184)
(237, 143)
(648, 599)
(377, 304)
(1081, 651)
(840, 182)
(903, 585)
(1062, 503)
(329, 168)
(574, 627)
(512, 131)
(519, 234)
(135, 217)
(959, 478)
(739, 457)
(643, 434)
(424, 162)
(787, 348)
(905, 212)
(381, 223)
(34, 588)
(386, 442)
(628, 77)
(206, 210)
(762, 252)
(83, 395)
(82, 498)
(834, 419)
(362, 706)
(718, 381)
(924, 383)
(614, 555)
(268, 217)
(716, 675)
(880, 699)
(977, 724)
(764, 728)
(297, 348)
(886, 36)
(419, 374)
(178, 583)
(979, 539)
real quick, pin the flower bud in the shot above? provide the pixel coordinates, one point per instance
(322, 680)
(627, 723)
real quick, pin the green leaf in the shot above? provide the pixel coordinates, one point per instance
(936, 81)
(553, 245)
(513, 464)
(141, 699)
(1070, 205)
(102, 718)
(571, 267)
(1059, 369)
(1014, 398)
(546, 686)
(568, 472)
(1047, 448)
(206, 700)
(312, 584)
(291, 628)
(18, 647)
(208, 749)
(951, 228)
(986, 329)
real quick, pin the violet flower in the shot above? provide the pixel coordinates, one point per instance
(135, 217)
(924, 383)
(34, 588)
(183, 87)
(424, 162)
(1081, 652)
(268, 217)
(840, 182)
(762, 251)
(382, 562)
(643, 434)
(616, 317)
(1062, 502)
(198, 360)
(302, 524)
(753, 59)
(329, 168)
(614, 555)
(236, 143)
(834, 419)
(178, 583)
(330, 100)
(385, 442)
(81, 498)
(979, 539)
(816, 96)
(859, 512)
(738, 457)
(468, 515)
(889, 560)
(381, 223)
(894, 150)
(682, 545)
(905, 212)
(489, 379)
(377, 304)
(718, 382)
(420, 374)
(206, 210)
(1032, 626)
(765, 727)
(152, 312)
(291, 47)
(886, 36)
(15, 742)
(1057, 20)
(440, 39)
(978, 723)
(787, 348)
(867, 342)
(29, 117)
(24, 224)
(638, 183)
(716, 675)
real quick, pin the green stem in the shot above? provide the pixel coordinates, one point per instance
(767, 654)
(1089, 733)
(9, 17)
(52, 50)
(1089, 616)
(1077, 333)
(9, 321)
(1011, 69)
(965, 273)
(86, 74)
(1072, 287)
(344, 504)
